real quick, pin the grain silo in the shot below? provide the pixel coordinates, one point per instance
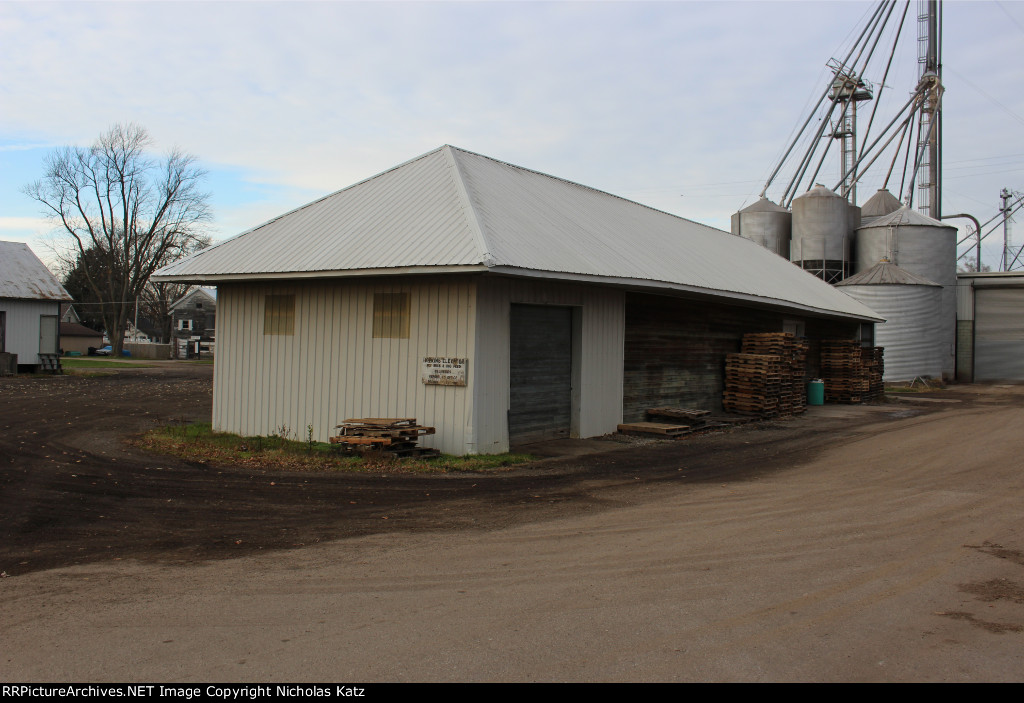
(767, 224)
(922, 246)
(881, 203)
(913, 332)
(823, 226)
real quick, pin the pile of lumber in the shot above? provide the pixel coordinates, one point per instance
(873, 361)
(667, 423)
(852, 374)
(393, 436)
(767, 377)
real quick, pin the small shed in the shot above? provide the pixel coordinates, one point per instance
(30, 307)
(498, 304)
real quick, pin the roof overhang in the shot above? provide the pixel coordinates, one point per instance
(664, 287)
(214, 279)
(688, 291)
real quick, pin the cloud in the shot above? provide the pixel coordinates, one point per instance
(24, 224)
(645, 100)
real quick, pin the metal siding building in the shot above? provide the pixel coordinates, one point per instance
(30, 298)
(990, 326)
(475, 246)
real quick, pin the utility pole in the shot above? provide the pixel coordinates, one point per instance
(1005, 209)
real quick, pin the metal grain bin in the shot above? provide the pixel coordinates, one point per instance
(766, 223)
(912, 334)
(922, 246)
(881, 203)
(823, 225)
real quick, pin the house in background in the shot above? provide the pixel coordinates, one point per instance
(495, 303)
(194, 324)
(30, 309)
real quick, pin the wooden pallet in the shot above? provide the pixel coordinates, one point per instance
(654, 428)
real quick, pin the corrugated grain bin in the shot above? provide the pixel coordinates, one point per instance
(921, 246)
(913, 334)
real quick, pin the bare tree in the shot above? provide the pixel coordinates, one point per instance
(131, 212)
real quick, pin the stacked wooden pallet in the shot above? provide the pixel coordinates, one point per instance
(873, 361)
(394, 436)
(753, 384)
(792, 351)
(843, 371)
(692, 415)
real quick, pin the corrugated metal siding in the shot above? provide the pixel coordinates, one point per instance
(599, 400)
(999, 334)
(964, 299)
(913, 334)
(22, 336)
(332, 369)
(925, 247)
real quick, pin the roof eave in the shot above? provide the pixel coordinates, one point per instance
(215, 278)
(647, 284)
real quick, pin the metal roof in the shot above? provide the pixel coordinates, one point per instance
(764, 205)
(454, 210)
(886, 273)
(209, 293)
(904, 216)
(23, 275)
(881, 203)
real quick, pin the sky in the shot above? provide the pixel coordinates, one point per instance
(684, 106)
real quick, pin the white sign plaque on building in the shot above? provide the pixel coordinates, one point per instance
(444, 370)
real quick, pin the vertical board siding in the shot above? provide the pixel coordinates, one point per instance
(675, 349)
(22, 336)
(332, 369)
(600, 397)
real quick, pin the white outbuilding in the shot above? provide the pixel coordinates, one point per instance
(30, 300)
(498, 304)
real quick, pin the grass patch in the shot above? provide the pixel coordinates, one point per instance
(91, 363)
(198, 442)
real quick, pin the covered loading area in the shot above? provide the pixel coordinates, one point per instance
(675, 348)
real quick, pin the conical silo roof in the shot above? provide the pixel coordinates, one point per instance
(905, 216)
(764, 205)
(819, 191)
(881, 203)
(885, 273)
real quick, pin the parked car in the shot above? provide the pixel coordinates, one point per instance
(105, 351)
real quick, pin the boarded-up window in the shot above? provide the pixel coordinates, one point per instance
(391, 316)
(279, 314)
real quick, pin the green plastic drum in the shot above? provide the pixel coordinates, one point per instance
(816, 393)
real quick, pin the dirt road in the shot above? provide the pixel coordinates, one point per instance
(864, 543)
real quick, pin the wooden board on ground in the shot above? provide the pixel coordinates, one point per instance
(655, 428)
